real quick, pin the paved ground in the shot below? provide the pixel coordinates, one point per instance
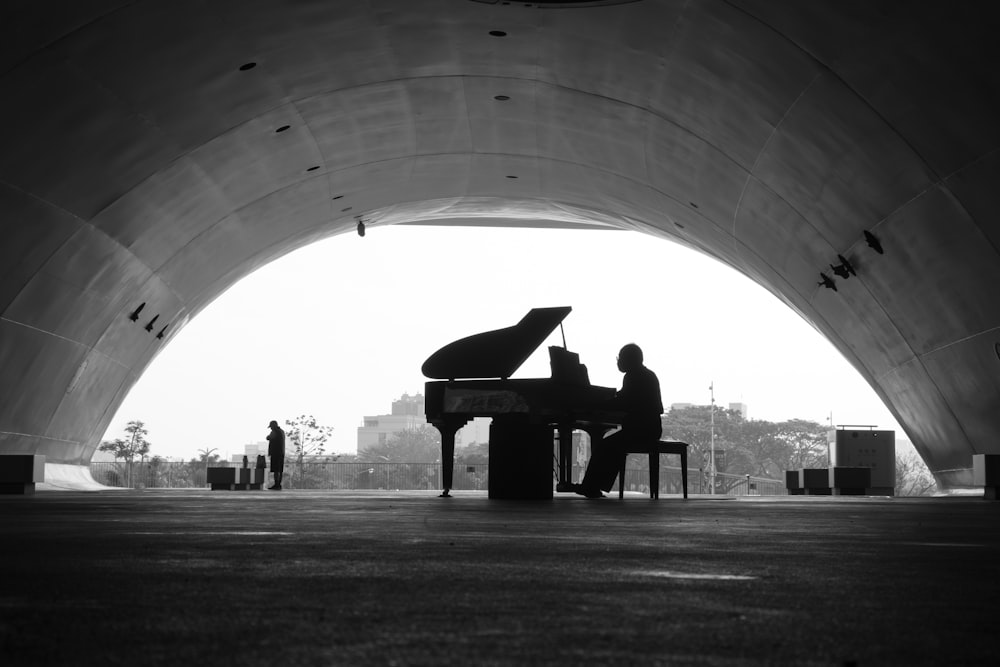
(347, 578)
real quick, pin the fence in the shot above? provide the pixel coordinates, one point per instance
(411, 476)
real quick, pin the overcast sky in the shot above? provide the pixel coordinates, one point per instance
(341, 328)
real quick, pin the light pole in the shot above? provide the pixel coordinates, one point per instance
(711, 460)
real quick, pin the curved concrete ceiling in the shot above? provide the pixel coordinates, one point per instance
(157, 152)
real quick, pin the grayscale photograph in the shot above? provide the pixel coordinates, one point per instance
(483, 332)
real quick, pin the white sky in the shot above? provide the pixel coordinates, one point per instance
(341, 328)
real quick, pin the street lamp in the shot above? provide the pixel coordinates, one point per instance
(711, 460)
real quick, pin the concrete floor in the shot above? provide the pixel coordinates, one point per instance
(348, 578)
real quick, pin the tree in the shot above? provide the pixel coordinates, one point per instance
(308, 437)
(473, 453)
(912, 476)
(206, 456)
(134, 444)
(693, 425)
(751, 447)
(415, 445)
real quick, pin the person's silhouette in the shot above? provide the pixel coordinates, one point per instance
(639, 398)
(276, 450)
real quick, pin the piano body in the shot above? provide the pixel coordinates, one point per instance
(474, 381)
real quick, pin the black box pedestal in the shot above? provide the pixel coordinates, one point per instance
(521, 459)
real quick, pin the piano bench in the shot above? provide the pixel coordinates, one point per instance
(654, 449)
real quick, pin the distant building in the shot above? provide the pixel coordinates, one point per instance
(251, 451)
(408, 406)
(476, 431)
(407, 414)
(681, 406)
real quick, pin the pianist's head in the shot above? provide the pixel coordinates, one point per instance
(629, 358)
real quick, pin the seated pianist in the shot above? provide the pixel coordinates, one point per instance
(639, 399)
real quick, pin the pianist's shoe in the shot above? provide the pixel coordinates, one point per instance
(587, 491)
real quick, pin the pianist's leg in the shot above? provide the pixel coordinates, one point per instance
(605, 461)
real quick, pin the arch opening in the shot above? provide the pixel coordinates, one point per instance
(359, 316)
(154, 165)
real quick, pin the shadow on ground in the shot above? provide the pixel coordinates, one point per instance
(347, 578)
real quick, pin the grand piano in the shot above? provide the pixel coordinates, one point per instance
(473, 380)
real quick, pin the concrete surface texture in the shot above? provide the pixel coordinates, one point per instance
(158, 151)
(334, 578)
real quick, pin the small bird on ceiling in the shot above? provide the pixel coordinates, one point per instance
(844, 269)
(827, 282)
(873, 242)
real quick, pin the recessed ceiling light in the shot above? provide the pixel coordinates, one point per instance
(693, 204)
(345, 210)
(313, 168)
(338, 196)
(502, 98)
(245, 66)
(283, 128)
(512, 177)
(678, 225)
(498, 33)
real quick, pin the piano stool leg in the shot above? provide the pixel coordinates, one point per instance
(654, 475)
(684, 471)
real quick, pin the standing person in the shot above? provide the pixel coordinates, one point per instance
(639, 398)
(276, 450)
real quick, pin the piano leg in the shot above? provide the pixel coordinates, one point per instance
(448, 429)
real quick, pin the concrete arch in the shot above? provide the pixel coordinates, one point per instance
(146, 163)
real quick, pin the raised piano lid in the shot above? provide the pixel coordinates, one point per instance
(495, 354)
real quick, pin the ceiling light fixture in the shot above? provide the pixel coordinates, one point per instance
(135, 313)
(873, 242)
(827, 282)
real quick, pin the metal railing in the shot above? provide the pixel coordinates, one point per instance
(409, 476)
(699, 482)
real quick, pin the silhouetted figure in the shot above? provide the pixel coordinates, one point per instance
(639, 398)
(276, 450)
